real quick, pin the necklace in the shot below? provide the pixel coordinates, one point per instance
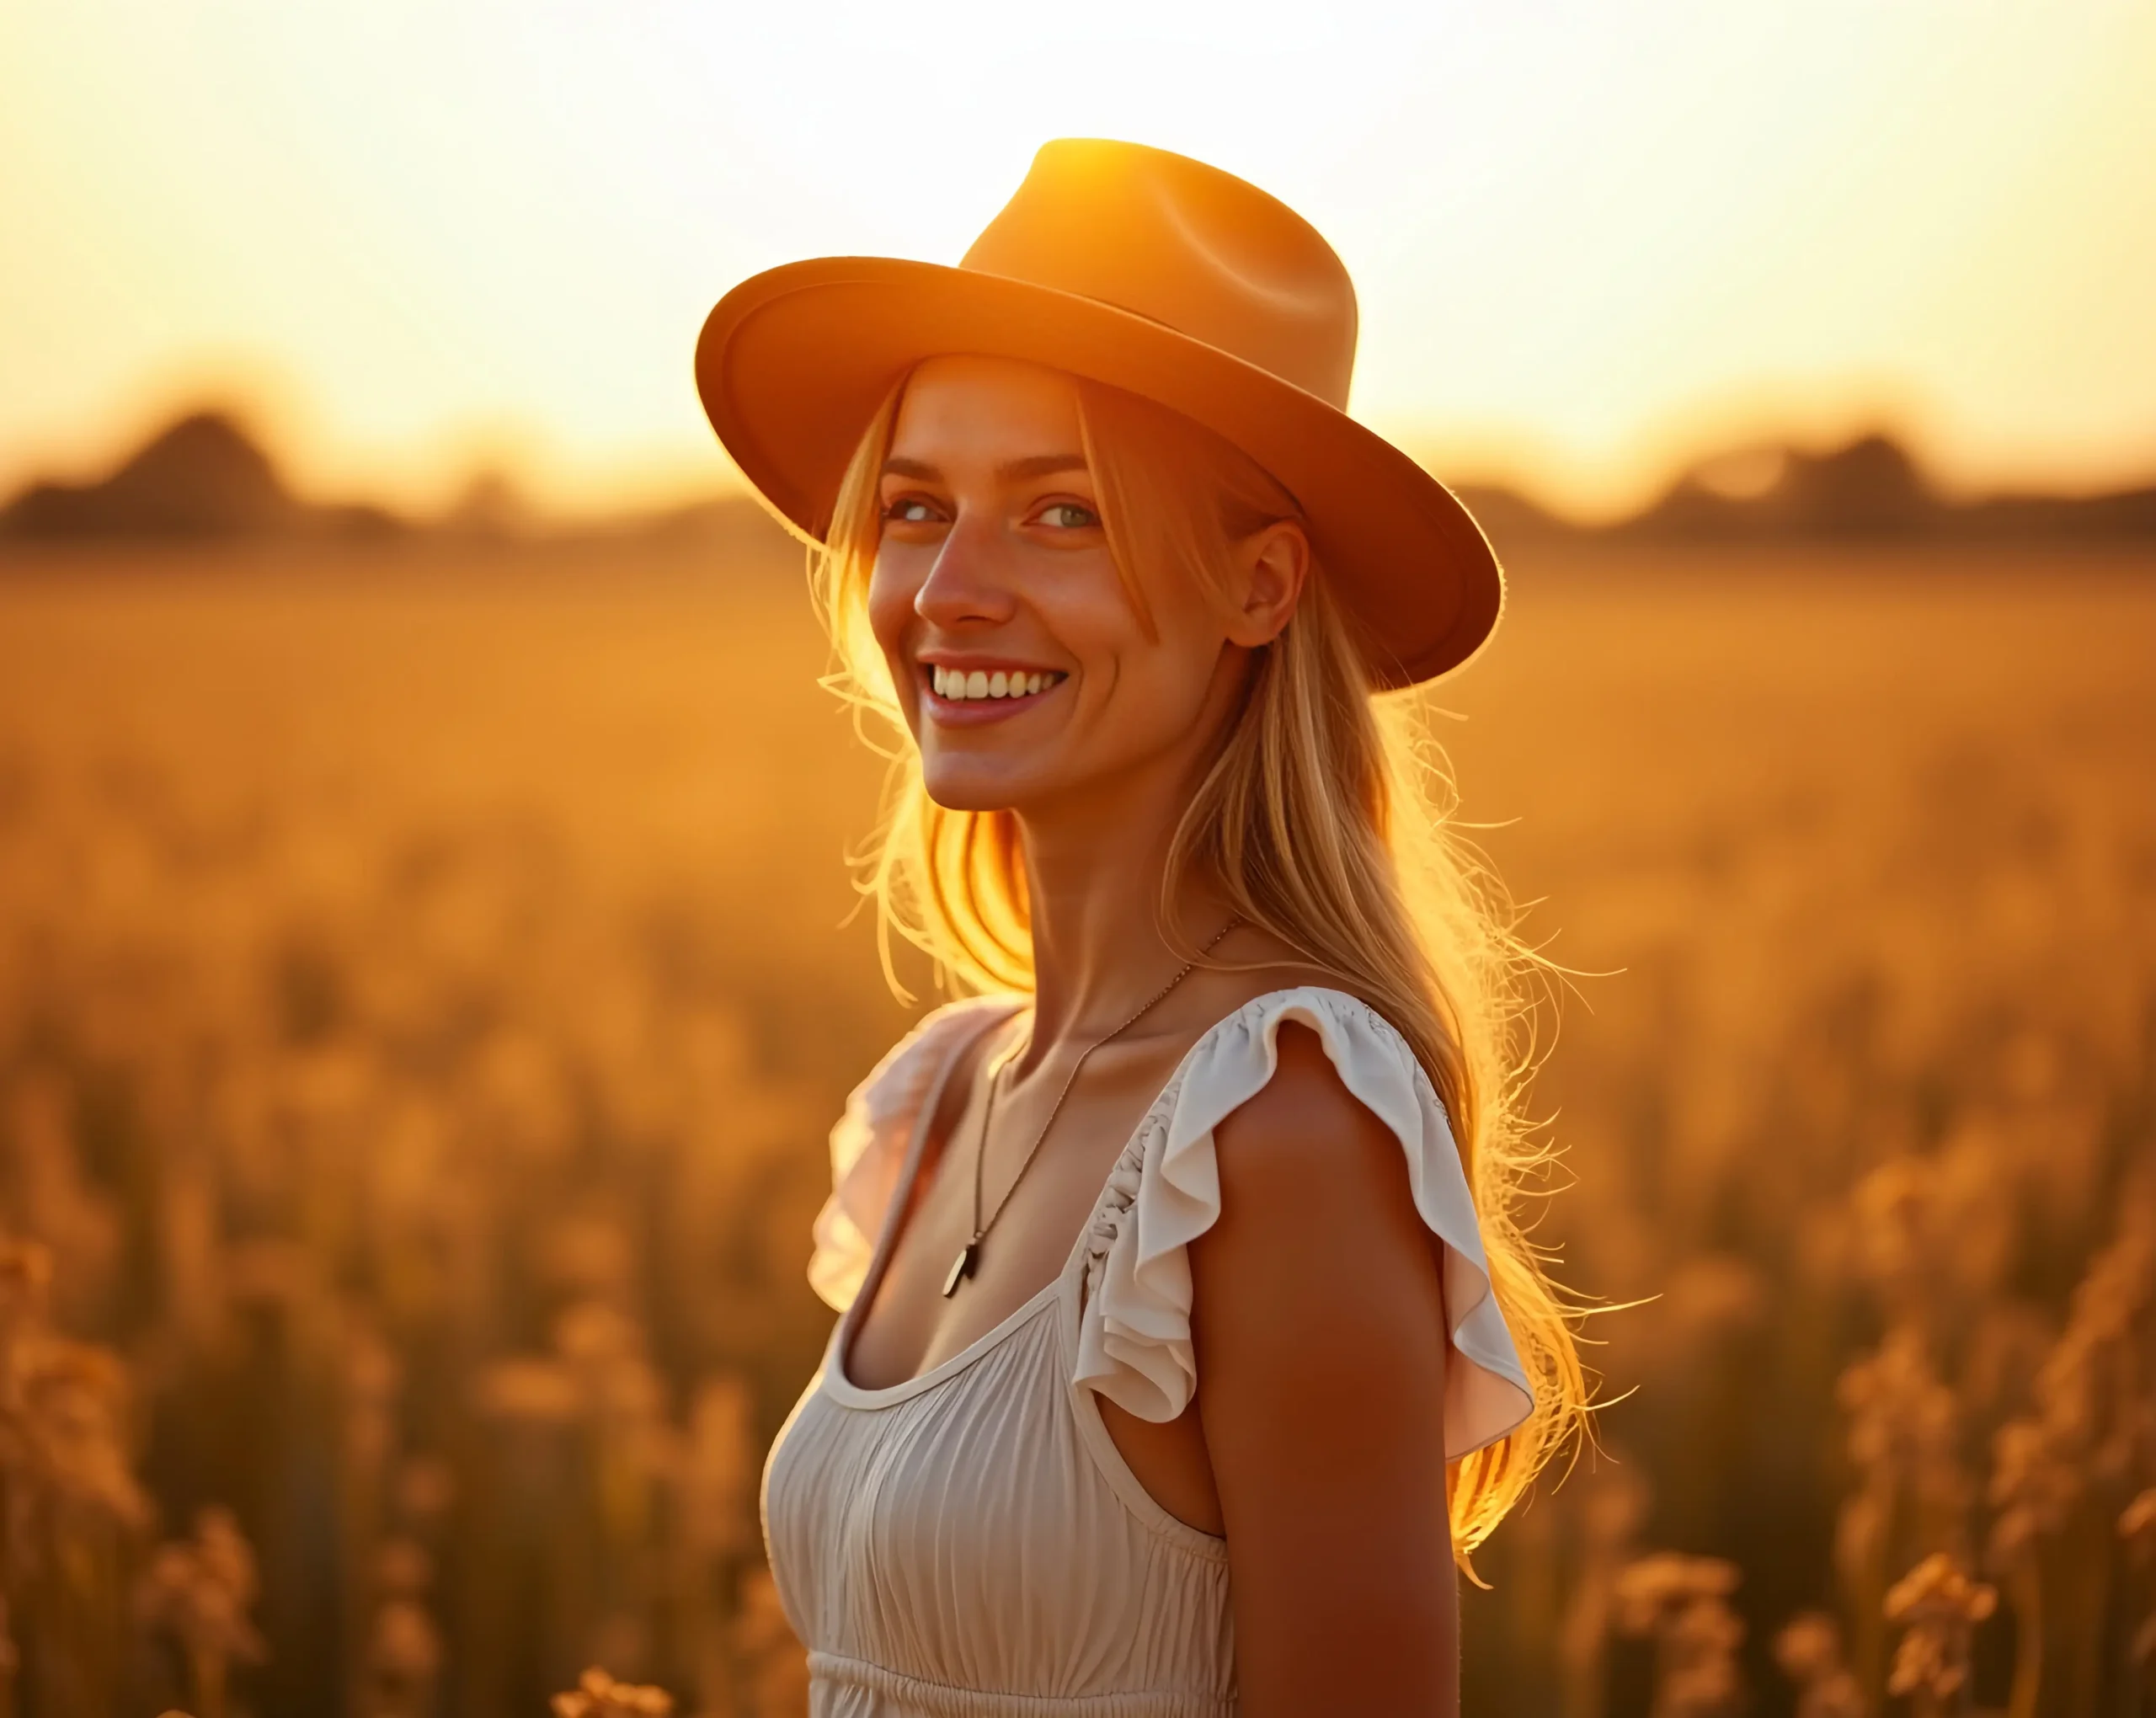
(969, 1259)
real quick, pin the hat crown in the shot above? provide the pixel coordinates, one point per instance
(1185, 245)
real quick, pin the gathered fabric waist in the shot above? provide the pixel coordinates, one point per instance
(914, 1695)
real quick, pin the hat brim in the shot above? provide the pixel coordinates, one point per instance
(794, 362)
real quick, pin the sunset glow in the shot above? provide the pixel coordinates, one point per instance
(1590, 241)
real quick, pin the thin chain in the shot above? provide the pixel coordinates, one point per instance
(988, 1108)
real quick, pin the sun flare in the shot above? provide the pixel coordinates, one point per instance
(1588, 240)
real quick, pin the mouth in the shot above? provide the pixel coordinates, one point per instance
(968, 696)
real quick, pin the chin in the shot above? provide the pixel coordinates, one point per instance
(958, 779)
(972, 790)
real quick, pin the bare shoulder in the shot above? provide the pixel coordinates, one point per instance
(1318, 1227)
(1306, 1141)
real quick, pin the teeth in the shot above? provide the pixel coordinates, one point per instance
(958, 685)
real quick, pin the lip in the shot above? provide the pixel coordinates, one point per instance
(978, 712)
(966, 662)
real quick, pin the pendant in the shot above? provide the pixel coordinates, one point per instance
(963, 1266)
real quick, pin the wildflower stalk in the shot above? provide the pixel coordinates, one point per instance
(206, 1677)
(598, 1695)
(1614, 1506)
(2060, 1475)
(2025, 1593)
(1939, 1606)
(2137, 1528)
(1683, 1604)
(69, 1502)
(1809, 1650)
(199, 1591)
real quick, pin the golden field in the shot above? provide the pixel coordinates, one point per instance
(423, 991)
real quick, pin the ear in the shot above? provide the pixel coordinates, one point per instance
(1273, 563)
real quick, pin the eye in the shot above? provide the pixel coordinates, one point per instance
(1069, 515)
(910, 509)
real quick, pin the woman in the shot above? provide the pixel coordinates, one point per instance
(1165, 1302)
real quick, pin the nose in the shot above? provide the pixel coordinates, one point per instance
(969, 582)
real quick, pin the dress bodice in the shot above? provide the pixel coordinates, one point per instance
(970, 1541)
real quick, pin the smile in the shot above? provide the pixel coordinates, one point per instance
(960, 685)
(970, 697)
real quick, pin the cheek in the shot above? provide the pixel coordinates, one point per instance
(1180, 631)
(1084, 604)
(893, 584)
(1159, 675)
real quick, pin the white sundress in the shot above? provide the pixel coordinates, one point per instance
(970, 1542)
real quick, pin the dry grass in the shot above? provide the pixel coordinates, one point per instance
(421, 1005)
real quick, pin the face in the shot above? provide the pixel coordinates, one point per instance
(1025, 671)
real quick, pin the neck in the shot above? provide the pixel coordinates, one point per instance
(1095, 862)
(1094, 874)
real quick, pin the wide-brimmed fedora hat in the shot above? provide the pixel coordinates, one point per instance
(1152, 273)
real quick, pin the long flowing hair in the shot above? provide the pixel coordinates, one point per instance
(1326, 818)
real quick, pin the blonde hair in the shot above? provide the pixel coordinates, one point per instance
(1325, 819)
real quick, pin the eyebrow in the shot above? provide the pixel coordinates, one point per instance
(1038, 464)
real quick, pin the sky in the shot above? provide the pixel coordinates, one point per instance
(420, 238)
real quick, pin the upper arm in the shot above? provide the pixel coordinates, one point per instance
(1320, 1330)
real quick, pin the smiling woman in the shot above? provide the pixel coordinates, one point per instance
(1189, 1334)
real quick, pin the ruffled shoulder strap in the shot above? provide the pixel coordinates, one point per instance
(1134, 1341)
(869, 1142)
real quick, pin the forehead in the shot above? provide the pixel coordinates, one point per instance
(964, 406)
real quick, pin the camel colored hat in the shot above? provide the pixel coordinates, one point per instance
(1152, 272)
